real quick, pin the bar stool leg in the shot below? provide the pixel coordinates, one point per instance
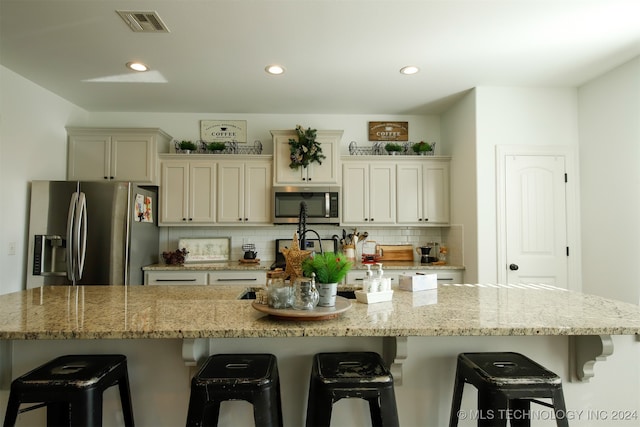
(458, 388)
(520, 411)
(13, 406)
(559, 408)
(58, 414)
(125, 399)
(492, 408)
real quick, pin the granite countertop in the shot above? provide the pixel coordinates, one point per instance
(185, 311)
(266, 265)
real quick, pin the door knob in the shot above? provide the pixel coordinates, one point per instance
(513, 267)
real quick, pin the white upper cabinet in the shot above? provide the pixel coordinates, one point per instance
(187, 192)
(315, 174)
(368, 192)
(423, 192)
(244, 192)
(120, 154)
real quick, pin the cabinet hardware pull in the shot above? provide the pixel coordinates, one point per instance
(445, 278)
(253, 279)
(175, 280)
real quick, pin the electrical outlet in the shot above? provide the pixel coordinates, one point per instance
(12, 248)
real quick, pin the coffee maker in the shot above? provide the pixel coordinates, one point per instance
(428, 253)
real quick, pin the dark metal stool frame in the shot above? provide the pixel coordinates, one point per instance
(250, 377)
(71, 389)
(363, 375)
(506, 382)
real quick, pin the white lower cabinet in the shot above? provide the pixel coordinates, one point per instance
(245, 278)
(175, 278)
(444, 276)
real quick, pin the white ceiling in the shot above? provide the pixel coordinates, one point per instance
(341, 56)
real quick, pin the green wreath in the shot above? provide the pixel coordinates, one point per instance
(305, 149)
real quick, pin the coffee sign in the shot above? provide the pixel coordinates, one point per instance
(388, 131)
(223, 130)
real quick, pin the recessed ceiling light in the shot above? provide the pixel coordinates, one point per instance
(409, 69)
(274, 69)
(137, 66)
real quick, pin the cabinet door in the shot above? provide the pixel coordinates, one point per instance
(133, 158)
(355, 193)
(257, 193)
(436, 193)
(202, 192)
(174, 193)
(283, 173)
(326, 173)
(382, 193)
(231, 192)
(240, 278)
(89, 158)
(409, 193)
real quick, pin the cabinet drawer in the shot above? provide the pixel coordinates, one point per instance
(444, 276)
(175, 278)
(252, 278)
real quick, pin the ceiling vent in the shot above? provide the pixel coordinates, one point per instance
(143, 22)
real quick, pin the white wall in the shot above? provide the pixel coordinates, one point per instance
(514, 116)
(610, 177)
(459, 132)
(33, 145)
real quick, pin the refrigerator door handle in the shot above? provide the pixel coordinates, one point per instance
(70, 226)
(81, 233)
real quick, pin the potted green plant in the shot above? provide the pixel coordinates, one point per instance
(329, 269)
(216, 146)
(422, 148)
(187, 146)
(393, 148)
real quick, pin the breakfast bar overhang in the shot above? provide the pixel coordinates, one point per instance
(196, 314)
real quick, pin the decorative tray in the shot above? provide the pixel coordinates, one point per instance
(318, 313)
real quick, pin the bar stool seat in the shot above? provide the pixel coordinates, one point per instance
(71, 389)
(363, 375)
(507, 383)
(250, 377)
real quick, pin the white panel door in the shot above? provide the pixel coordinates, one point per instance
(536, 224)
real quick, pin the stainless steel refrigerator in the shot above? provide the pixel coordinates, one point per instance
(91, 233)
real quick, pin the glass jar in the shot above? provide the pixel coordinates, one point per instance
(279, 292)
(305, 294)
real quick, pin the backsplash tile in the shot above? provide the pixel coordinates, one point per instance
(263, 237)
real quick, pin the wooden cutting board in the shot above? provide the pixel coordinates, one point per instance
(396, 252)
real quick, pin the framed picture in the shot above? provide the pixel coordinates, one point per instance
(388, 131)
(206, 250)
(223, 130)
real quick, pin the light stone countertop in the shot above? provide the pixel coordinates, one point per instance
(192, 311)
(266, 265)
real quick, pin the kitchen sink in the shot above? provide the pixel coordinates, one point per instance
(250, 293)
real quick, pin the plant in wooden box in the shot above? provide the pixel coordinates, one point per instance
(305, 149)
(187, 146)
(393, 148)
(422, 148)
(329, 268)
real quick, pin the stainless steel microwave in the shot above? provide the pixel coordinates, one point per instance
(322, 204)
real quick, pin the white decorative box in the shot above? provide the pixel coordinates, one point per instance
(373, 297)
(418, 282)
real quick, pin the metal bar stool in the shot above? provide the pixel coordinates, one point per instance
(507, 383)
(71, 389)
(250, 377)
(363, 375)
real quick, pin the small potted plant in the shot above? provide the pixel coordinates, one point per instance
(393, 148)
(216, 146)
(329, 269)
(187, 146)
(422, 148)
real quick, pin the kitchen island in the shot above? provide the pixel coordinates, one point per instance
(204, 319)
